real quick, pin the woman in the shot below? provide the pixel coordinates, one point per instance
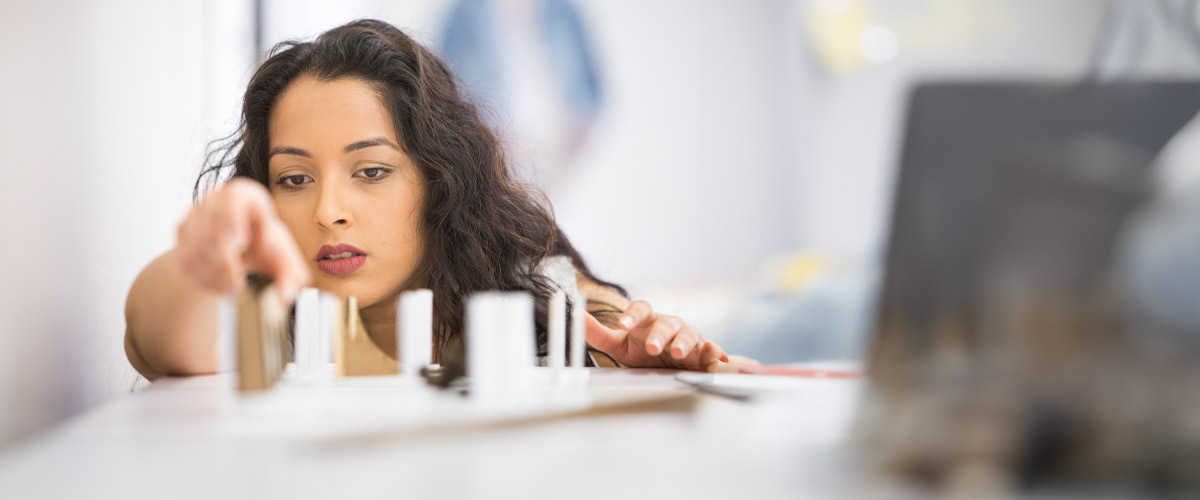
(360, 168)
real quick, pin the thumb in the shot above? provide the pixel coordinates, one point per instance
(276, 253)
(602, 337)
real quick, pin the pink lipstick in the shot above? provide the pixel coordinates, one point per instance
(340, 259)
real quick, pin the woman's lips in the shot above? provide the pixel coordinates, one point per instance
(342, 266)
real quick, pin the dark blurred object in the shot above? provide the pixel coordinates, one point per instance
(452, 368)
(1007, 354)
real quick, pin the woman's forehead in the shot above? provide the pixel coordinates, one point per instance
(329, 114)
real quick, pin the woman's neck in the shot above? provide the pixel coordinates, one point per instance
(380, 322)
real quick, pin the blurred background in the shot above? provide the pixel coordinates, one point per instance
(731, 162)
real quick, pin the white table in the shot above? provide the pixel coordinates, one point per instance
(394, 438)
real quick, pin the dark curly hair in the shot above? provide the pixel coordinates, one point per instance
(482, 230)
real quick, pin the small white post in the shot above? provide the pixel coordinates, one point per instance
(329, 303)
(556, 330)
(414, 331)
(578, 344)
(307, 333)
(500, 346)
(227, 334)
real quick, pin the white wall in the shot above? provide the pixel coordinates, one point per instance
(855, 119)
(101, 130)
(688, 174)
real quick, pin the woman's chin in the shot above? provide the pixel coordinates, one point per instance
(337, 287)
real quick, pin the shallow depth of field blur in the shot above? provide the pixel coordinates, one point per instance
(731, 162)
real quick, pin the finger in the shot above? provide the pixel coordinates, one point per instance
(246, 188)
(243, 204)
(602, 337)
(636, 314)
(711, 355)
(300, 275)
(222, 243)
(720, 352)
(280, 257)
(205, 271)
(659, 333)
(184, 229)
(272, 249)
(231, 265)
(685, 340)
(186, 259)
(700, 357)
(193, 260)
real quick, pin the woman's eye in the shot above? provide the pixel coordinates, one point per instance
(374, 172)
(292, 180)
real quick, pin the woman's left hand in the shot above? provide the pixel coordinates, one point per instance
(653, 340)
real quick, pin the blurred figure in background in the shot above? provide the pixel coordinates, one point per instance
(530, 62)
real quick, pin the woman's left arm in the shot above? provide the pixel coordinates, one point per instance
(643, 338)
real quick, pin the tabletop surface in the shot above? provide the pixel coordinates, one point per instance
(627, 433)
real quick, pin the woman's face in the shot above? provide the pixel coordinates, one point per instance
(341, 183)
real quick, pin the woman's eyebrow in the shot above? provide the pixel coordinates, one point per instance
(288, 150)
(377, 141)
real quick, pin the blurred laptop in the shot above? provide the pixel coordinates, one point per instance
(1009, 205)
(1002, 189)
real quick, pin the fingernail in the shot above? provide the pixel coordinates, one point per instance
(287, 295)
(724, 358)
(626, 322)
(656, 344)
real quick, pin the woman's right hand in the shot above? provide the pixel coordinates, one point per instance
(236, 231)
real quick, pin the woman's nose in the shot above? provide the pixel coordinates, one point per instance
(331, 211)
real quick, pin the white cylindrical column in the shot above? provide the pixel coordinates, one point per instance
(414, 331)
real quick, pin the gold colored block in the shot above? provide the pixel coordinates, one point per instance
(354, 352)
(262, 343)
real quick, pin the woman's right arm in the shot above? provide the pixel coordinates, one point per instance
(170, 321)
(170, 313)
